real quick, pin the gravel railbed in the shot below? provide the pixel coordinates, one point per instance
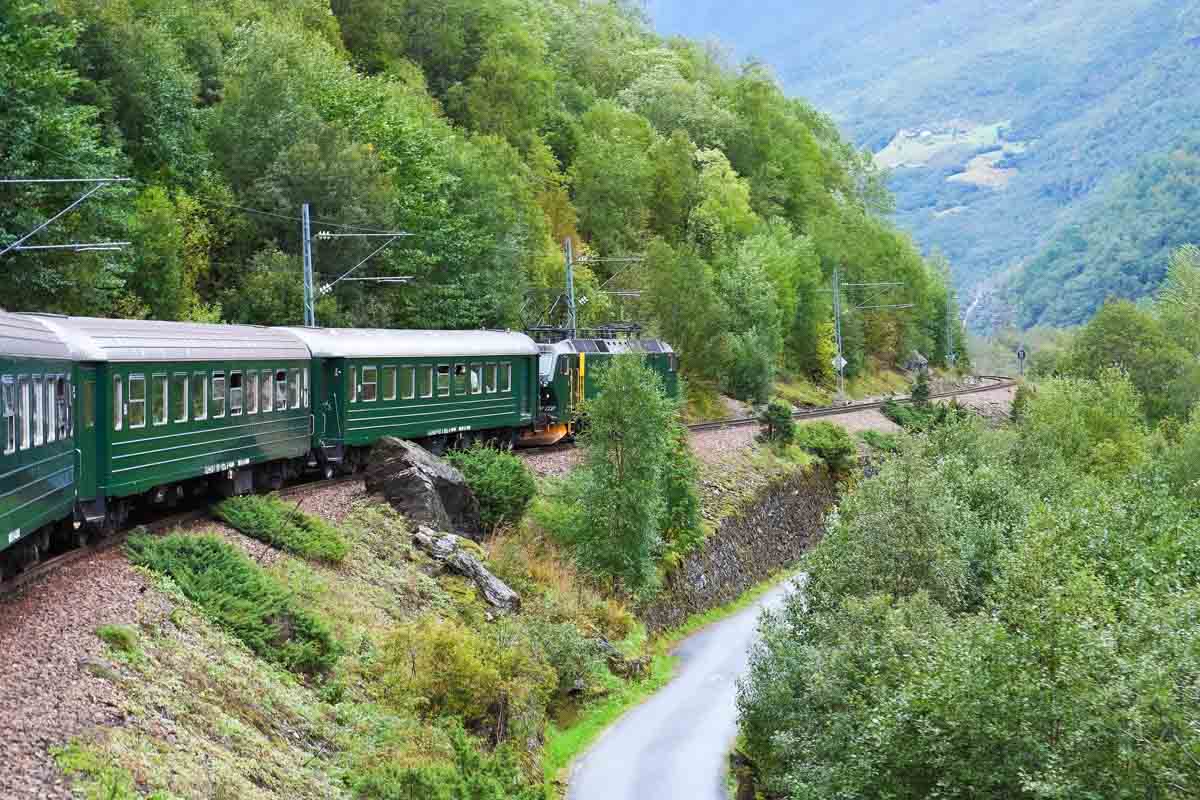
(50, 654)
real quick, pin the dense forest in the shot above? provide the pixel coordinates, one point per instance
(1010, 611)
(489, 132)
(1094, 101)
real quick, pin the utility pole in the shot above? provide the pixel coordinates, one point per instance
(572, 317)
(839, 361)
(310, 303)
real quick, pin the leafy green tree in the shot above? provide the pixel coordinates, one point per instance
(1178, 303)
(612, 177)
(1125, 336)
(172, 258)
(627, 450)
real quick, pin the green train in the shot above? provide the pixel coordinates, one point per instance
(101, 417)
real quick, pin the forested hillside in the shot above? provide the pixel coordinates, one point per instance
(1011, 129)
(489, 131)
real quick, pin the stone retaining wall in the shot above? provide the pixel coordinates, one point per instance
(746, 549)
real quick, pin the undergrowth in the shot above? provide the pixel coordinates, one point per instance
(240, 597)
(500, 481)
(271, 520)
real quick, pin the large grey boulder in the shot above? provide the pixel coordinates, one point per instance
(423, 487)
(448, 550)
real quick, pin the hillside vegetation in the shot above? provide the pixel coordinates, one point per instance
(1010, 612)
(1095, 103)
(489, 131)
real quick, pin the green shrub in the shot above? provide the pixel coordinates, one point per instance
(472, 775)
(501, 482)
(918, 418)
(271, 520)
(883, 442)
(780, 425)
(573, 657)
(490, 680)
(920, 389)
(828, 442)
(119, 637)
(241, 597)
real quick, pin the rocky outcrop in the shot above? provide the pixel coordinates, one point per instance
(447, 549)
(423, 487)
(772, 533)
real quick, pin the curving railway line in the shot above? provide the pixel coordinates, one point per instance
(159, 522)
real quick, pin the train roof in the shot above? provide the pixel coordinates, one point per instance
(25, 337)
(365, 343)
(120, 340)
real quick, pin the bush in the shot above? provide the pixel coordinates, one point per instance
(573, 657)
(240, 597)
(923, 417)
(490, 680)
(883, 442)
(501, 482)
(270, 520)
(920, 390)
(828, 442)
(780, 425)
(473, 775)
(119, 637)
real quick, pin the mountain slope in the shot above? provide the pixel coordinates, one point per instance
(1079, 95)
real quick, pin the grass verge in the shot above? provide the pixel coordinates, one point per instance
(564, 745)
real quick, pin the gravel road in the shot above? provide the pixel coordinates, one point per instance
(674, 746)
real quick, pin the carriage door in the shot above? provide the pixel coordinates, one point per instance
(329, 416)
(87, 412)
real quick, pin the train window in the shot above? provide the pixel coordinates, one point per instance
(51, 410)
(38, 410)
(460, 379)
(489, 378)
(304, 389)
(218, 395)
(267, 393)
(370, 384)
(137, 401)
(158, 399)
(251, 393)
(506, 377)
(389, 383)
(235, 394)
(426, 375)
(476, 379)
(67, 425)
(89, 405)
(443, 380)
(62, 404)
(294, 388)
(8, 414)
(408, 383)
(23, 411)
(281, 398)
(354, 384)
(199, 396)
(179, 397)
(118, 402)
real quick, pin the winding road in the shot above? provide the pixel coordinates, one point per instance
(675, 745)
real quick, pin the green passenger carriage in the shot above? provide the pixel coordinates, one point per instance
(168, 407)
(440, 388)
(37, 448)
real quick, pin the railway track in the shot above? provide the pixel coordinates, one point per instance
(151, 525)
(1000, 382)
(169, 521)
